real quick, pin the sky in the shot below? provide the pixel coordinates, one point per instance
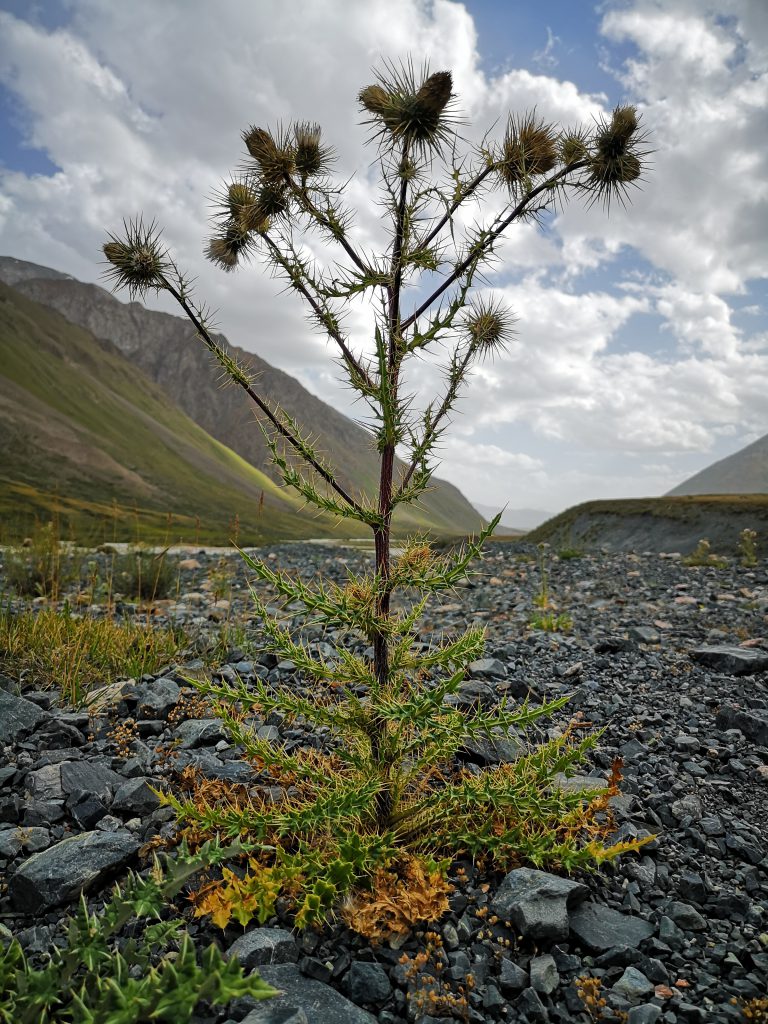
(641, 352)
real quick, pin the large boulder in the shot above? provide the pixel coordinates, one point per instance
(63, 871)
(538, 903)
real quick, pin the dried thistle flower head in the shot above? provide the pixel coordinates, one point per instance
(274, 157)
(225, 250)
(489, 326)
(404, 111)
(137, 261)
(529, 149)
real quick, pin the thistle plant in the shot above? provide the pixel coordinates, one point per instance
(391, 786)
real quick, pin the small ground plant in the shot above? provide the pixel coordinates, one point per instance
(93, 979)
(547, 617)
(748, 548)
(391, 785)
(702, 555)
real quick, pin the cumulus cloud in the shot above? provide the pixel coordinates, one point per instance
(140, 107)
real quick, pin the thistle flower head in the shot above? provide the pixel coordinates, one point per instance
(405, 111)
(617, 154)
(489, 326)
(529, 149)
(239, 197)
(311, 158)
(573, 147)
(138, 261)
(275, 157)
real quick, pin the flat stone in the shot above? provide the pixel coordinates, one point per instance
(89, 777)
(537, 903)
(320, 1003)
(18, 717)
(754, 726)
(485, 751)
(600, 928)
(648, 1013)
(731, 661)
(198, 732)
(633, 985)
(491, 667)
(264, 946)
(63, 871)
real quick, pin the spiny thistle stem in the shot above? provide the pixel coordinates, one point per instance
(487, 242)
(355, 367)
(262, 405)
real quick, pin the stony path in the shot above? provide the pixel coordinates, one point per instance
(671, 661)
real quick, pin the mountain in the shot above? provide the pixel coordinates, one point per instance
(744, 472)
(84, 433)
(171, 359)
(519, 519)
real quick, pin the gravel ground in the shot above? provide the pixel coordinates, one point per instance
(671, 661)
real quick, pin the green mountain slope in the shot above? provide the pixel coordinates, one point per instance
(744, 472)
(78, 421)
(165, 348)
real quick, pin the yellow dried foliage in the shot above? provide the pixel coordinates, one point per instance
(401, 897)
(246, 897)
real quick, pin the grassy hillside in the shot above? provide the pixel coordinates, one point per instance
(658, 524)
(83, 431)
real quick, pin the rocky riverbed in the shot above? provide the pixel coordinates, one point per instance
(670, 661)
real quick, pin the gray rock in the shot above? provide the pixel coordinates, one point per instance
(265, 946)
(544, 974)
(89, 777)
(686, 917)
(45, 783)
(754, 726)
(135, 798)
(512, 977)
(18, 717)
(633, 984)
(270, 1014)
(671, 934)
(537, 903)
(487, 667)
(600, 928)
(197, 732)
(61, 872)
(688, 806)
(156, 699)
(320, 1003)
(498, 750)
(366, 983)
(732, 661)
(648, 1013)
(531, 1007)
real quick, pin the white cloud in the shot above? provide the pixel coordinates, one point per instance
(141, 105)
